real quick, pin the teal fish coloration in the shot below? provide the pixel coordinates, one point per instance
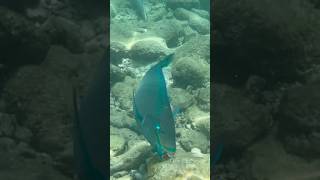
(153, 111)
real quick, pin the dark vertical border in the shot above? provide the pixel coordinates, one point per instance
(212, 97)
(107, 41)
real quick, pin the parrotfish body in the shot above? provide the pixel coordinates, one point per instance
(153, 111)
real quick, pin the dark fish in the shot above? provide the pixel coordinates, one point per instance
(90, 129)
(139, 4)
(153, 111)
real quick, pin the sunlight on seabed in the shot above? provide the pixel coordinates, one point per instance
(136, 38)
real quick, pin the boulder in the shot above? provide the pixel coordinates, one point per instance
(173, 4)
(189, 139)
(122, 92)
(180, 98)
(183, 166)
(20, 40)
(196, 22)
(299, 120)
(189, 71)
(237, 121)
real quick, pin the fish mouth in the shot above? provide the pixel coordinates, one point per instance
(168, 155)
(169, 151)
(166, 152)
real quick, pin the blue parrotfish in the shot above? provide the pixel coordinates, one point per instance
(91, 128)
(153, 112)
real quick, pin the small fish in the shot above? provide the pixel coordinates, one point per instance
(90, 129)
(153, 111)
(139, 4)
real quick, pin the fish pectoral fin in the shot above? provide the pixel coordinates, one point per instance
(160, 131)
(143, 120)
(148, 119)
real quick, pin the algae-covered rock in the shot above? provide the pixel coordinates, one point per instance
(7, 124)
(171, 30)
(189, 139)
(236, 118)
(300, 120)
(120, 174)
(21, 41)
(6, 144)
(278, 55)
(130, 159)
(188, 33)
(62, 28)
(130, 136)
(196, 22)
(97, 43)
(120, 119)
(65, 64)
(20, 161)
(126, 177)
(23, 134)
(199, 119)
(117, 145)
(180, 98)
(203, 99)
(200, 24)
(148, 50)
(116, 75)
(122, 91)
(19, 5)
(118, 51)
(183, 4)
(202, 13)
(87, 30)
(189, 71)
(121, 31)
(156, 11)
(42, 97)
(197, 47)
(183, 166)
(270, 151)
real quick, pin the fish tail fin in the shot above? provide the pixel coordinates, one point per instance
(217, 153)
(166, 60)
